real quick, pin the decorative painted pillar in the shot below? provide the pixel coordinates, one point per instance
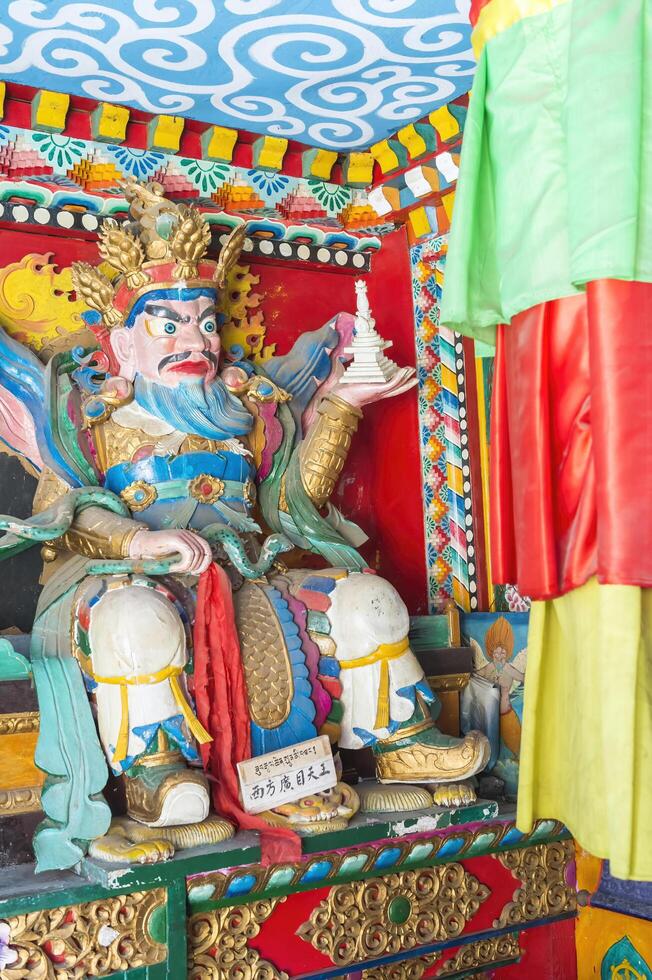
(448, 423)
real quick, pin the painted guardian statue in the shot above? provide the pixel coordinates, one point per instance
(159, 464)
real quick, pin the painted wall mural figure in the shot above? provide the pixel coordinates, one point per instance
(171, 487)
(500, 657)
(506, 672)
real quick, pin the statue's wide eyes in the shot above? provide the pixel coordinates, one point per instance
(209, 326)
(170, 327)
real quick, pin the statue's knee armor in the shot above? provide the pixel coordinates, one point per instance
(366, 611)
(135, 630)
(138, 644)
(379, 674)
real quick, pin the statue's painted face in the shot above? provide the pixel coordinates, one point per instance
(170, 340)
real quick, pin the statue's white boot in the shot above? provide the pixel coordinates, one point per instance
(384, 691)
(167, 796)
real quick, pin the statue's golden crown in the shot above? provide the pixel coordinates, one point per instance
(164, 245)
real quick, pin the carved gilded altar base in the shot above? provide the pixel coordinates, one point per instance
(407, 897)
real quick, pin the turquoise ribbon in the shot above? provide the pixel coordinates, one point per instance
(171, 489)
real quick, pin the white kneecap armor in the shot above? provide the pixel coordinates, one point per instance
(135, 632)
(370, 624)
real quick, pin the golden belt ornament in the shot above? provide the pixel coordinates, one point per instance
(205, 488)
(382, 654)
(139, 495)
(167, 673)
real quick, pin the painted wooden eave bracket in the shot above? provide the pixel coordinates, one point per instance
(318, 163)
(420, 142)
(109, 123)
(218, 143)
(416, 172)
(165, 133)
(268, 153)
(421, 197)
(49, 111)
(55, 112)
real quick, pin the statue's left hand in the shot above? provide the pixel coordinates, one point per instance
(359, 395)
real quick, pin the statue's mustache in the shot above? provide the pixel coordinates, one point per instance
(210, 356)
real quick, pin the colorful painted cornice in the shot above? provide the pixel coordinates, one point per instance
(72, 184)
(419, 172)
(54, 112)
(62, 153)
(216, 889)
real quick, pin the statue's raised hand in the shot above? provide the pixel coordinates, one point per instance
(359, 395)
(195, 553)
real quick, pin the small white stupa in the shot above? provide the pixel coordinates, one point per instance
(369, 364)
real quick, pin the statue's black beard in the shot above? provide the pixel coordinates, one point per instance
(200, 409)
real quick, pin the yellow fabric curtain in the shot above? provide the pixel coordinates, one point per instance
(586, 748)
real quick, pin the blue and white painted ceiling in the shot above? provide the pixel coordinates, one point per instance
(341, 74)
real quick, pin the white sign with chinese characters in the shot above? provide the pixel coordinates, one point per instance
(287, 775)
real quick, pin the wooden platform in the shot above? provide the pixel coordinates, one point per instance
(441, 892)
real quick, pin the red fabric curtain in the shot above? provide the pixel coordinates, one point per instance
(476, 8)
(571, 442)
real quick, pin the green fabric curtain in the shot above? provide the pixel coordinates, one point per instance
(555, 185)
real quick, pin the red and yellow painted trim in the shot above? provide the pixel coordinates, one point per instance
(87, 119)
(410, 176)
(492, 17)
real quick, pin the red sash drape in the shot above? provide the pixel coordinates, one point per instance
(222, 708)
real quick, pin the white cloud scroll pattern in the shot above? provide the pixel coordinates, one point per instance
(334, 73)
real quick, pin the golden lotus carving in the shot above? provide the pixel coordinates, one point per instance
(96, 290)
(355, 922)
(218, 943)
(123, 251)
(94, 939)
(189, 241)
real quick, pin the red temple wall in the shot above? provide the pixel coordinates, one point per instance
(381, 487)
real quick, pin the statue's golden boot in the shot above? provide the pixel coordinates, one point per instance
(118, 846)
(166, 793)
(453, 794)
(419, 753)
(131, 841)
